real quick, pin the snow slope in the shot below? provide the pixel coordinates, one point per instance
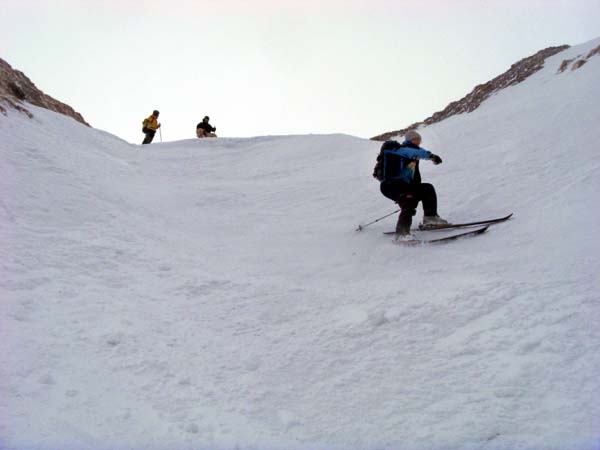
(214, 294)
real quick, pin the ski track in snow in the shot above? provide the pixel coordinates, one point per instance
(213, 293)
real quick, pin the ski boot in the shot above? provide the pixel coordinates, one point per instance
(432, 222)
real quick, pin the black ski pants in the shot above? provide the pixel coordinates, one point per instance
(408, 197)
(149, 135)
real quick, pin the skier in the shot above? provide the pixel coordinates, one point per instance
(205, 129)
(402, 181)
(150, 126)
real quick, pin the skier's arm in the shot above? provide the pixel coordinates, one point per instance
(412, 153)
(436, 159)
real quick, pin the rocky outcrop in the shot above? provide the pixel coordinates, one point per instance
(579, 61)
(16, 89)
(516, 74)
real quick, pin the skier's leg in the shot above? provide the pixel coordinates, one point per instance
(149, 136)
(407, 201)
(426, 194)
(389, 190)
(429, 198)
(408, 204)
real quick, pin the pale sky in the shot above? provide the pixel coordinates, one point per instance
(266, 67)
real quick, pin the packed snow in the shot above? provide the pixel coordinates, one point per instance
(215, 294)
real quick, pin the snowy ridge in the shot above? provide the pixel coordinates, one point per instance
(518, 72)
(213, 293)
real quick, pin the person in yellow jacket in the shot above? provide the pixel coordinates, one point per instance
(150, 126)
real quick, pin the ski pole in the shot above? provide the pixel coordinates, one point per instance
(160, 133)
(362, 227)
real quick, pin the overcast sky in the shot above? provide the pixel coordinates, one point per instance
(263, 67)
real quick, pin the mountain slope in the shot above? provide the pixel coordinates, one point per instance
(213, 293)
(517, 73)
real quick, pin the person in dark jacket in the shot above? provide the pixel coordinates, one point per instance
(402, 181)
(205, 129)
(150, 126)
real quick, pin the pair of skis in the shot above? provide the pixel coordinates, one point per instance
(481, 226)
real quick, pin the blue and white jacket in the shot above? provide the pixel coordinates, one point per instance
(402, 164)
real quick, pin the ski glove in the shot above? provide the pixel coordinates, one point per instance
(436, 159)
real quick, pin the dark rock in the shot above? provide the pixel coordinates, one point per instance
(16, 88)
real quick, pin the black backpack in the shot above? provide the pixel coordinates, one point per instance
(378, 169)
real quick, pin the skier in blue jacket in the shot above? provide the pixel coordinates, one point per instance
(402, 181)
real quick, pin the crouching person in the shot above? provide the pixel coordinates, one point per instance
(205, 129)
(402, 182)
